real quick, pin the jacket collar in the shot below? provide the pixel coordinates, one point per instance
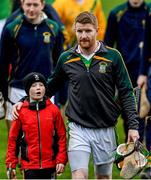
(43, 18)
(143, 6)
(102, 48)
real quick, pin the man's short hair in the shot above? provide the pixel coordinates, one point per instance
(42, 1)
(86, 17)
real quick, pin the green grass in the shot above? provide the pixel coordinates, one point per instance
(109, 4)
(3, 144)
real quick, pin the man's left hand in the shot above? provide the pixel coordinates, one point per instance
(142, 79)
(133, 135)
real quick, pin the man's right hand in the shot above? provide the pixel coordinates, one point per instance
(16, 108)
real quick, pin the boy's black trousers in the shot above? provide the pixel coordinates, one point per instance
(40, 173)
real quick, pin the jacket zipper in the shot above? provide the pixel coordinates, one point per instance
(23, 136)
(35, 29)
(18, 58)
(40, 147)
(88, 69)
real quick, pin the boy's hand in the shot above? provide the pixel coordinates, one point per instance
(2, 106)
(11, 174)
(60, 168)
(16, 108)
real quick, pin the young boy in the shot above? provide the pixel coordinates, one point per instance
(42, 132)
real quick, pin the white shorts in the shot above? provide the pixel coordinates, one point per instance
(14, 95)
(100, 142)
(2, 23)
(80, 160)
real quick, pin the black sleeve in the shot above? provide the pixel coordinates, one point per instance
(23, 99)
(147, 47)
(6, 55)
(58, 48)
(111, 30)
(57, 80)
(126, 93)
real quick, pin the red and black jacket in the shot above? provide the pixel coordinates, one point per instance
(40, 125)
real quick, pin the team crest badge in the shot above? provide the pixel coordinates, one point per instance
(46, 37)
(102, 68)
(36, 77)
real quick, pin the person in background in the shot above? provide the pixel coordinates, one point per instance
(16, 4)
(29, 43)
(48, 9)
(69, 12)
(60, 97)
(5, 11)
(146, 174)
(125, 31)
(41, 132)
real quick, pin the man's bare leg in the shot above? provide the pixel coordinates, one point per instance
(80, 174)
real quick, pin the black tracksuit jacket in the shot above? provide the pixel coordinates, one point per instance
(91, 91)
